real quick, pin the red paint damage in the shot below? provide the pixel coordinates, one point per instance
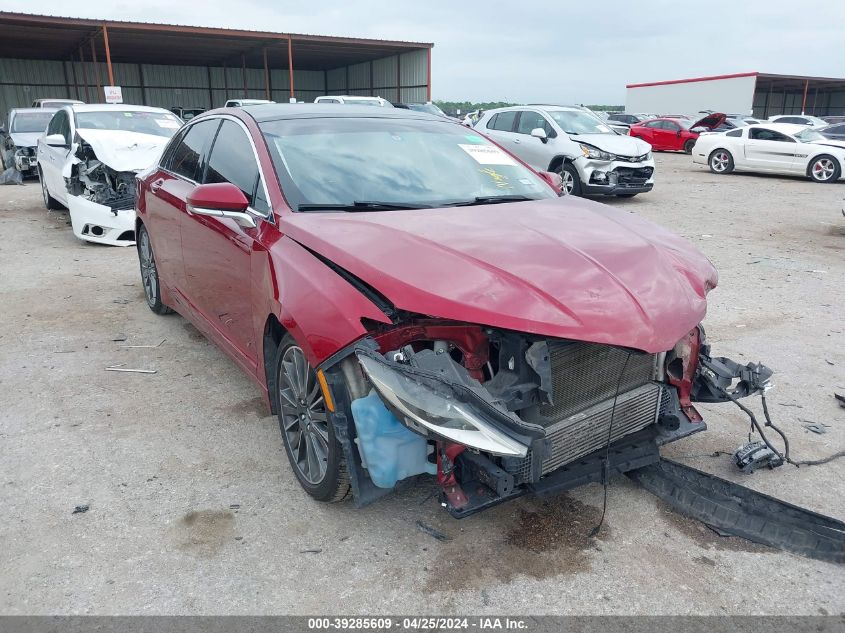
(564, 268)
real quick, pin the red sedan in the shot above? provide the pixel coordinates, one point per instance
(666, 133)
(413, 299)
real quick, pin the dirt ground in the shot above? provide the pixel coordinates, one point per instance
(193, 507)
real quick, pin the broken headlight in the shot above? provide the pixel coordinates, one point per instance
(437, 408)
(595, 153)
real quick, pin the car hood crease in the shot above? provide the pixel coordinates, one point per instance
(563, 268)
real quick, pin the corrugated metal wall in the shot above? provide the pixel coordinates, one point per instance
(22, 81)
(380, 77)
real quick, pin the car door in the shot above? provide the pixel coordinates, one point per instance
(670, 135)
(165, 199)
(770, 150)
(500, 128)
(646, 131)
(531, 149)
(53, 158)
(218, 251)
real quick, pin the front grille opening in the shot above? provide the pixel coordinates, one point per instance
(584, 374)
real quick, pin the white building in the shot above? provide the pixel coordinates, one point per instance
(760, 94)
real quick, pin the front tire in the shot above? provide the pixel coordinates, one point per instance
(149, 273)
(824, 168)
(571, 179)
(314, 452)
(721, 161)
(688, 146)
(50, 203)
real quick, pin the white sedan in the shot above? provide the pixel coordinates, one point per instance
(777, 148)
(88, 159)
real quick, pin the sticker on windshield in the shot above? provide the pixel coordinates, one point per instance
(168, 124)
(487, 154)
(473, 138)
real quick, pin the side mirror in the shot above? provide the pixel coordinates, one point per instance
(221, 200)
(540, 133)
(553, 180)
(55, 140)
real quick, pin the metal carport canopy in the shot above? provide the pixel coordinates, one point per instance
(44, 37)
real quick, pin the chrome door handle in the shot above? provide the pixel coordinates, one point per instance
(516, 140)
(155, 185)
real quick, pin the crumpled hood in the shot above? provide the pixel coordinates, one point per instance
(565, 268)
(614, 143)
(25, 139)
(124, 151)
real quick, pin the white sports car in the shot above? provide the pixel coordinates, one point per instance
(88, 159)
(775, 148)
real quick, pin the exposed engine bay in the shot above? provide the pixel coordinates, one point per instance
(495, 413)
(97, 182)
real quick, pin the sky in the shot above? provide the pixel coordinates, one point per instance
(530, 51)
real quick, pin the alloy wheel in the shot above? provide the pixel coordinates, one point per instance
(44, 193)
(149, 276)
(719, 162)
(823, 169)
(304, 420)
(568, 181)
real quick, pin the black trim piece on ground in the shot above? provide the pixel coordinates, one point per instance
(740, 511)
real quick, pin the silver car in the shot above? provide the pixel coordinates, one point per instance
(589, 156)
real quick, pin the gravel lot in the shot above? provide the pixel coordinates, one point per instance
(194, 509)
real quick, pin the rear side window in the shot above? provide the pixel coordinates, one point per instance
(792, 119)
(188, 153)
(503, 121)
(734, 133)
(232, 160)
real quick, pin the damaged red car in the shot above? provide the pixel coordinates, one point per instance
(415, 300)
(680, 135)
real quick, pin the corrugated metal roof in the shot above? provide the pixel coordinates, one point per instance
(34, 36)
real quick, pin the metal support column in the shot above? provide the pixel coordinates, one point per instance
(108, 54)
(100, 94)
(267, 91)
(804, 99)
(290, 66)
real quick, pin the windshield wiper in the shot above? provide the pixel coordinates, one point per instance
(361, 205)
(492, 200)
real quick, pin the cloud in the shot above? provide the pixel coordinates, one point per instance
(533, 51)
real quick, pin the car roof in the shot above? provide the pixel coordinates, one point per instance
(784, 128)
(120, 107)
(364, 97)
(276, 111)
(31, 110)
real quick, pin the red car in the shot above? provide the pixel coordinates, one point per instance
(666, 133)
(413, 299)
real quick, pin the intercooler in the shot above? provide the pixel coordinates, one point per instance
(584, 382)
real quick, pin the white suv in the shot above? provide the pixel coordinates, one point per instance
(589, 156)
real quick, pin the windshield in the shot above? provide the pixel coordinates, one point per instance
(430, 108)
(401, 162)
(155, 123)
(31, 121)
(809, 136)
(577, 122)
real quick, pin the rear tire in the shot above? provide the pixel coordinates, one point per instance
(149, 272)
(688, 146)
(314, 452)
(824, 168)
(50, 203)
(720, 161)
(571, 179)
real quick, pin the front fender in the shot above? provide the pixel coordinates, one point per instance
(320, 309)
